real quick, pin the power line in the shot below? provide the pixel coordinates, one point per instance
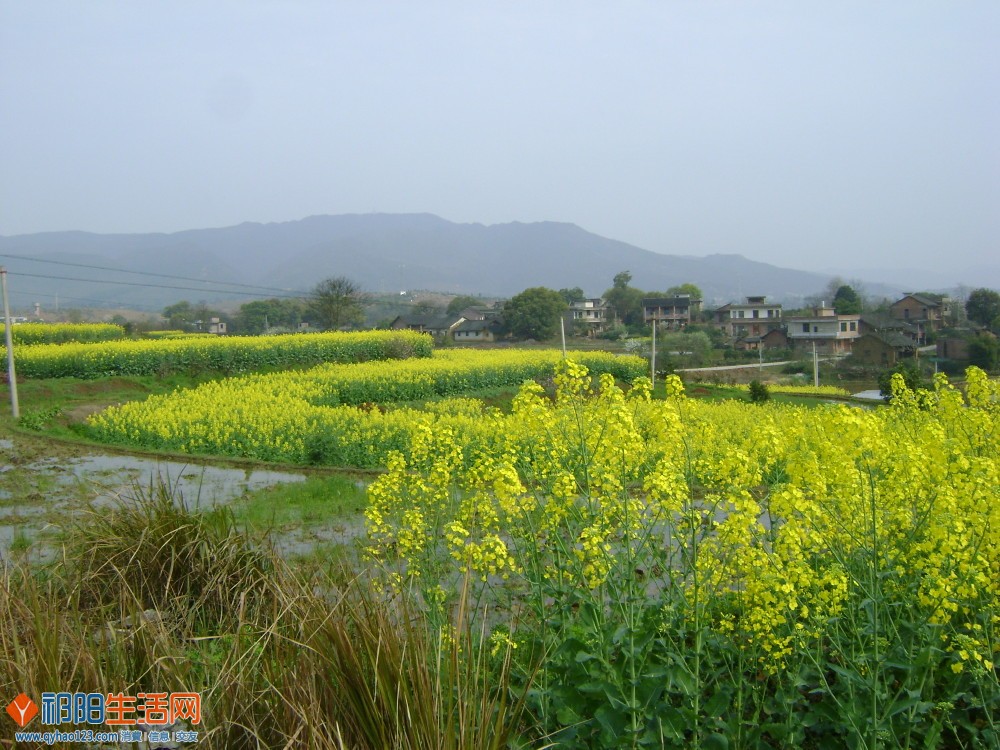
(145, 273)
(152, 286)
(100, 302)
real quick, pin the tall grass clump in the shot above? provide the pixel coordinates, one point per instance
(152, 596)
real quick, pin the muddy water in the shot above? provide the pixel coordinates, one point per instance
(36, 495)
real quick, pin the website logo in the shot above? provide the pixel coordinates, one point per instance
(22, 710)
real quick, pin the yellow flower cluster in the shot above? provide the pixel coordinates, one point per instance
(776, 522)
(801, 390)
(327, 415)
(230, 354)
(31, 334)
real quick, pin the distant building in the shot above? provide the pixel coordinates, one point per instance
(217, 326)
(924, 311)
(671, 313)
(884, 349)
(472, 331)
(438, 326)
(755, 317)
(590, 313)
(831, 333)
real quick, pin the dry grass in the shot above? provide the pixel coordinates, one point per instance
(150, 596)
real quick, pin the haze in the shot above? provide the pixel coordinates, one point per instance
(819, 136)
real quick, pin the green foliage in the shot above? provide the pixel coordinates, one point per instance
(261, 315)
(759, 392)
(910, 371)
(983, 307)
(984, 352)
(687, 288)
(576, 294)
(625, 300)
(846, 301)
(534, 313)
(461, 302)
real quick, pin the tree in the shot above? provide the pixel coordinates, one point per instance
(260, 315)
(687, 288)
(534, 313)
(337, 302)
(910, 371)
(625, 300)
(575, 294)
(179, 315)
(846, 301)
(984, 352)
(461, 302)
(983, 307)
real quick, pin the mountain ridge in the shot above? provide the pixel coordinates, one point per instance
(388, 252)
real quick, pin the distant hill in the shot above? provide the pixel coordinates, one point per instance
(383, 252)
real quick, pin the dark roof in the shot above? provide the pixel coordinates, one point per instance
(893, 339)
(882, 322)
(923, 299)
(477, 325)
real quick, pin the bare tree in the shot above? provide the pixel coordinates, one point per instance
(337, 302)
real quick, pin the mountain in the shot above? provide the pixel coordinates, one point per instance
(382, 252)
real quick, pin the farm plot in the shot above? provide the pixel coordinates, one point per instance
(328, 414)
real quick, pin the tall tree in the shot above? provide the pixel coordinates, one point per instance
(534, 313)
(461, 302)
(846, 301)
(337, 302)
(625, 300)
(983, 307)
(575, 294)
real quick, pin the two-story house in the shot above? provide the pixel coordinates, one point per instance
(671, 312)
(590, 314)
(831, 333)
(755, 317)
(926, 312)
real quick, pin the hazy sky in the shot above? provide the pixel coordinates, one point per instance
(803, 133)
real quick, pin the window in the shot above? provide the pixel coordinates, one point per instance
(805, 328)
(756, 313)
(815, 329)
(854, 325)
(740, 314)
(843, 326)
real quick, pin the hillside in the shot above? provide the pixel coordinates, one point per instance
(383, 252)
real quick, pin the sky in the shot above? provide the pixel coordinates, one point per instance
(816, 135)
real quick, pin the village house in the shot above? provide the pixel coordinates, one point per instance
(831, 333)
(749, 319)
(590, 314)
(926, 312)
(473, 331)
(776, 338)
(672, 313)
(885, 349)
(438, 326)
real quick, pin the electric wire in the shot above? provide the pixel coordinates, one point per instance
(147, 273)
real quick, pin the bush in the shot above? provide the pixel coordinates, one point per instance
(759, 392)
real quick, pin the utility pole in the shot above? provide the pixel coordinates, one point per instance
(9, 340)
(815, 367)
(562, 330)
(652, 358)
